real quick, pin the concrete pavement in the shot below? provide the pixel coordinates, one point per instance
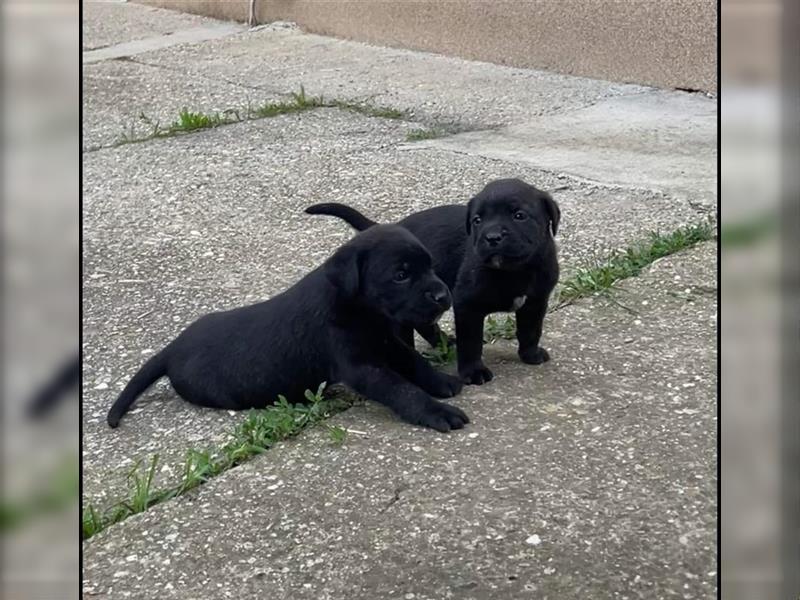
(179, 226)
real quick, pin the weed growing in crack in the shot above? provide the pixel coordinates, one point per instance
(426, 134)
(602, 276)
(504, 328)
(189, 121)
(443, 354)
(261, 430)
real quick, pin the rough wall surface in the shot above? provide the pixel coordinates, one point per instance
(669, 43)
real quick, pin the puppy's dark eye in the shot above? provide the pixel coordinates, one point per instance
(520, 216)
(476, 220)
(401, 276)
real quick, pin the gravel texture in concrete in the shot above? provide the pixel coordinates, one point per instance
(663, 140)
(107, 24)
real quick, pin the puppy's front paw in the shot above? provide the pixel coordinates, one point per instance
(442, 417)
(476, 374)
(534, 356)
(445, 386)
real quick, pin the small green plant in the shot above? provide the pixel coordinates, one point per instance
(443, 354)
(300, 102)
(91, 522)
(141, 486)
(337, 435)
(199, 467)
(499, 328)
(425, 134)
(261, 430)
(189, 121)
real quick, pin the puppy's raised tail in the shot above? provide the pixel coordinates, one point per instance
(153, 369)
(354, 218)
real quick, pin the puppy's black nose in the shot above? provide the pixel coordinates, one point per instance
(441, 297)
(493, 237)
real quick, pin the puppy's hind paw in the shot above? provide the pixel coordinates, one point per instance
(442, 417)
(445, 386)
(534, 356)
(477, 374)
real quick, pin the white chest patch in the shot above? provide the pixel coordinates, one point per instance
(518, 302)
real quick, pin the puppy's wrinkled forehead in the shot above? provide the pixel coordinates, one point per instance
(507, 194)
(393, 245)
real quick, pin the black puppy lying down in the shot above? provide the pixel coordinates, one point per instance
(496, 254)
(335, 325)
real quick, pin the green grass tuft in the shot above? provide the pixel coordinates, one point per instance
(443, 354)
(499, 328)
(337, 434)
(425, 134)
(601, 277)
(189, 121)
(261, 430)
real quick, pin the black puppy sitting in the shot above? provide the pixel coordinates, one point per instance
(496, 254)
(336, 325)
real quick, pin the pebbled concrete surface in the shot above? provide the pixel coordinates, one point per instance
(659, 137)
(177, 227)
(107, 23)
(117, 93)
(593, 476)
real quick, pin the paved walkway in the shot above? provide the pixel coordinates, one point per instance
(591, 476)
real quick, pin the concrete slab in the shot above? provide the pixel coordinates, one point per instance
(178, 227)
(434, 88)
(108, 23)
(117, 93)
(592, 476)
(184, 36)
(660, 140)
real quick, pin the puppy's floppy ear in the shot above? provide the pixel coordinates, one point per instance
(343, 270)
(470, 206)
(552, 210)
